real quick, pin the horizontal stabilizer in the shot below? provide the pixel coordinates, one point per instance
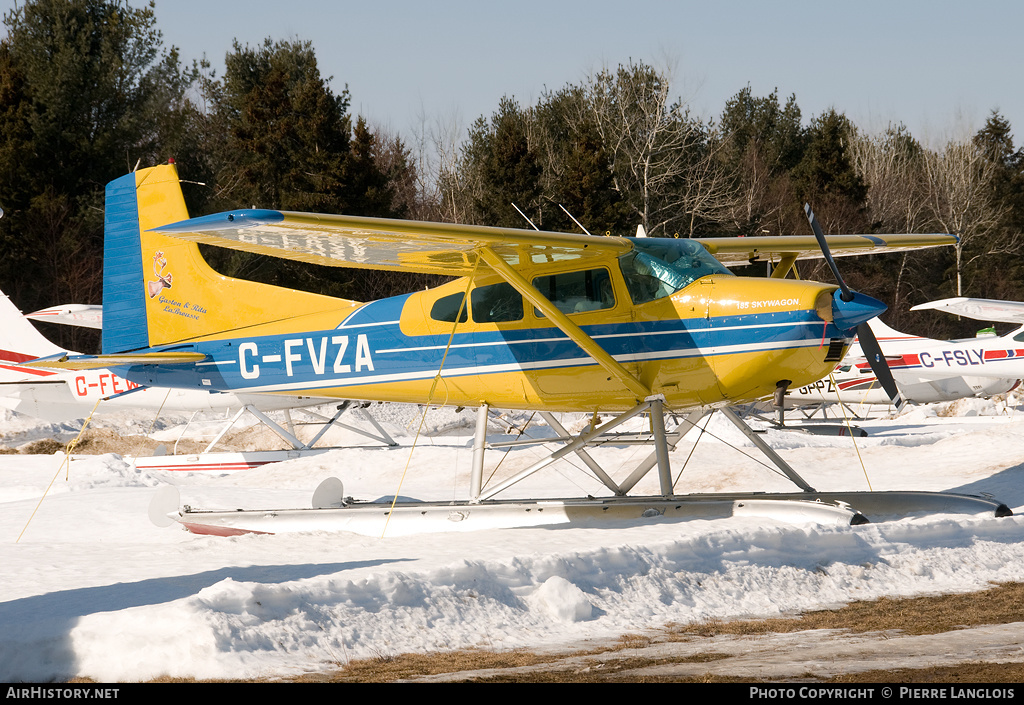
(92, 362)
(84, 315)
(19, 386)
(978, 309)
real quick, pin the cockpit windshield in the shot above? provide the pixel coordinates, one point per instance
(659, 267)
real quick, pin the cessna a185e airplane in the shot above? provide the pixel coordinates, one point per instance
(536, 320)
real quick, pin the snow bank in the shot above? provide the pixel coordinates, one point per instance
(92, 589)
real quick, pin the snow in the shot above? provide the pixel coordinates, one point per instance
(93, 589)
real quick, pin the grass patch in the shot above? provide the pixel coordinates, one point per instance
(1001, 604)
(383, 669)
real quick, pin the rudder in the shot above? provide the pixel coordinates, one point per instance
(124, 305)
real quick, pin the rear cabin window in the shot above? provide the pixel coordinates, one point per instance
(577, 292)
(447, 308)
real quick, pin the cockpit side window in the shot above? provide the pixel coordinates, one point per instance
(579, 291)
(659, 267)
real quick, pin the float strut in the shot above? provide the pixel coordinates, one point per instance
(580, 442)
(583, 454)
(479, 446)
(660, 443)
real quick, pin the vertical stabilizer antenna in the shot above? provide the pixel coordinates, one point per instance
(524, 216)
(573, 219)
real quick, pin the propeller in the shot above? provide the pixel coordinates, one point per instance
(851, 311)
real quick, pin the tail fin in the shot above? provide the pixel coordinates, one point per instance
(884, 332)
(159, 290)
(21, 340)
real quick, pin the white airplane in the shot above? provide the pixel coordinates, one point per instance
(83, 315)
(927, 370)
(60, 395)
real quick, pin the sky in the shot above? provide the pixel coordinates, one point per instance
(939, 67)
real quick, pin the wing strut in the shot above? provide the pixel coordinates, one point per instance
(575, 333)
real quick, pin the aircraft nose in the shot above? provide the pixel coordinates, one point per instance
(847, 315)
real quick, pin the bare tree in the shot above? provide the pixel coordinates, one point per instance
(663, 161)
(440, 181)
(959, 199)
(893, 166)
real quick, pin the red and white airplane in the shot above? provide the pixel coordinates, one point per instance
(927, 370)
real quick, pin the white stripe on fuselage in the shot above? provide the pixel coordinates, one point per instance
(524, 367)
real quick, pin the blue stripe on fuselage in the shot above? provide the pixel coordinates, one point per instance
(369, 347)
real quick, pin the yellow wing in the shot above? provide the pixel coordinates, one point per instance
(445, 248)
(733, 251)
(381, 243)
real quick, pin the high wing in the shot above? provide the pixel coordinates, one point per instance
(381, 243)
(978, 309)
(733, 251)
(444, 248)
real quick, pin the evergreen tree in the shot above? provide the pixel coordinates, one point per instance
(1006, 184)
(85, 87)
(825, 176)
(763, 125)
(372, 191)
(577, 168)
(506, 167)
(587, 190)
(285, 133)
(763, 143)
(279, 137)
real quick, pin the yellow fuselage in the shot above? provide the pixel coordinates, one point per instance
(722, 339)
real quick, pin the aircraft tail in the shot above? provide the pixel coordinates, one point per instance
(21, 340)
(884, 332)
(159, 290)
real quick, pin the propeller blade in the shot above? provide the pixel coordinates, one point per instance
(855, 310)
(847, 295)
(879, 365)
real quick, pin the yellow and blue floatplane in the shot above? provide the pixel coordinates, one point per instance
(532, 320)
